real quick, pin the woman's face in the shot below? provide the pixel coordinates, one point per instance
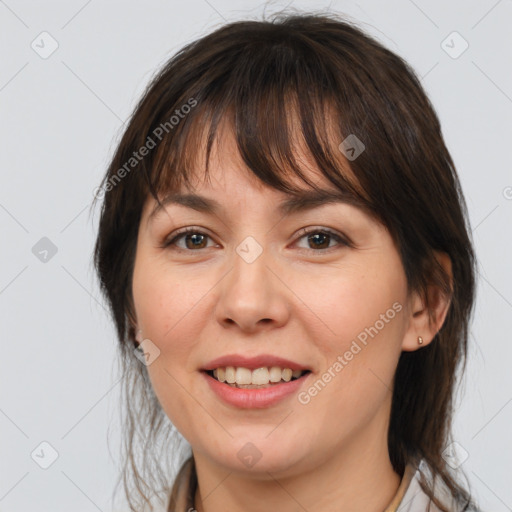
(246, 288)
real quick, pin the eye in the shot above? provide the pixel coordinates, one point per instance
(196, 238)
(320, 238)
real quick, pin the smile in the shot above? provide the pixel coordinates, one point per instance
(259, 378)
(254, 396)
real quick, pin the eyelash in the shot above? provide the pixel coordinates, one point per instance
(343, 242)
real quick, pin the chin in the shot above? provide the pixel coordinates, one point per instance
(259, 456)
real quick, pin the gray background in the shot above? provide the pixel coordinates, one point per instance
(60, 118)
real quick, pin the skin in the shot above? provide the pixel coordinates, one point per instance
(296, 301)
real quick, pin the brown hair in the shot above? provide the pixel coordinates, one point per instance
(329, 71)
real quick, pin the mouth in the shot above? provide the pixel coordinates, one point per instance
(258, 378)
(256, 382)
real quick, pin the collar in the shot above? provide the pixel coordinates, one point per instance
(183, 494)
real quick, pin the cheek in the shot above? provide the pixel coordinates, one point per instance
(164, 301)
(168, 310)
(364, 314)
(361, 302)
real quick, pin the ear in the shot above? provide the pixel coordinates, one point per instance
(133, 329)
(423, 322)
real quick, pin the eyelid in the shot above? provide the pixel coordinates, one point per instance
(341, 238)
(170, 239)
(338, 236)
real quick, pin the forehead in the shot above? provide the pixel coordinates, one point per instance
(229, 187)
(292, 203)
(227, 168)
(230, 181)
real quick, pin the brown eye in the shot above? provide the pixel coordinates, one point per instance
(319, 239)
(194, 240)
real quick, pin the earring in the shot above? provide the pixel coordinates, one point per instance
(420, 340)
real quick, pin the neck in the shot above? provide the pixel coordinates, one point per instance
(358, 476)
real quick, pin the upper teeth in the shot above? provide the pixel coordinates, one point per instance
(239, 375)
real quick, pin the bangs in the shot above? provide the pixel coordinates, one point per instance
(279, 104)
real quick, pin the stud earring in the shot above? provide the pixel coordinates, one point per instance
(420, 340)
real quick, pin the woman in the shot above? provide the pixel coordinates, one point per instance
(284, 246)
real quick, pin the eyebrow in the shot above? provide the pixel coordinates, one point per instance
(299, 202)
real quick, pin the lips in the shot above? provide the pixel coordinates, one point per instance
(263, 360)
(250, 395)
(254, 398)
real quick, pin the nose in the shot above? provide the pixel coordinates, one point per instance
(252, 296)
